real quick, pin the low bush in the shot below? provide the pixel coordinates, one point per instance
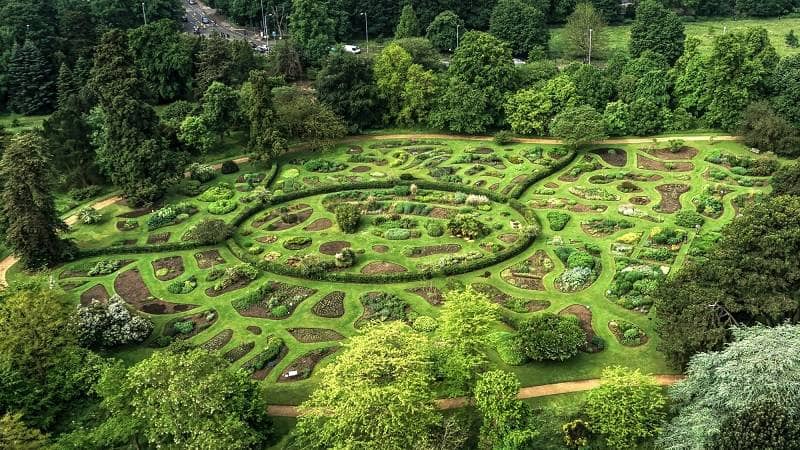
(558, 220)
(509, 348)
(229, 167)
(221, 207)
(104, 268)
(190, 188)
(550, 337)
(89, 216)
(425, 324)
(208, 232)
(297, 243)
(580, 259)
(272, 348)
(182, 287)
(503, 137)
(201, 173)
(169, 215)
(323, 166)
(111, 324)
(689, 219)
(222, 191)
(384, 306)
(667, 236)
(397, 234)
(348, 217)
(467, 226)
(434, 229)
(575, 278)
(233, 275)
(183, 326)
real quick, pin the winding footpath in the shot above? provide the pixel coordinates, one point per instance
(526, 392)
(9, 261)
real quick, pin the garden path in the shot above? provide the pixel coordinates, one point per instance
(526, 392)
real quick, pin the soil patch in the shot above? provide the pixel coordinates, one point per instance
(254, 329)
(97, 292)
(579, 208)
(551, 185)
(628, 187)
(380, 267)
(137, 213)
(671, 197)
(644, 162)
(211, 292)
(509, 238)
(202, 321)
(319, 225)
(437, 212)
(380, 248)
(219, 340)
(639, 200)
(313, 335)
(616, 157)
(431, 294)
(334, 247)
(72, 285)
(158, 238)
(685, 153)
(503, 299)
(300, 217)
(262, 373)
(268, 239)
(208, 259)
(302, 367)
(130, 286)
(360, 169)
(330, 306)
(614, 329)
(84, 273)
(239, 352)
(428, 250)
(530, 276)
(173, 266)
(278, 294)
(584, 316)
(124, 225)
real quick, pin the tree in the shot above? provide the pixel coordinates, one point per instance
(408, 26)
(298, 115)
(616, 118)
(376, 394)
(31, 81)
(745, 278)
(30, 222)
(195, 132)
(68, 135)
(611, 10)
(209, 232)
(726, 386)
(550, 337)
(220, 108)
(764, 129)
(763, 8)
(467, 318)
(627, 407)
(422, 52)
(785, 83)
(521, 25)
(164, 58)
(506, 420)
(419, 90)
(578, 126)
(347, 217)
(43, 372)
(646, 118)
(15, 435)
(140, 402)
(346, 84)
(591, 84)
(766, 424)
(460, 107)
(442, 31)
(658, 29)
(530, 111)
(786, 181)
(266, 141)
(312, 28)
(584, 18)
(391, 69)
(285, 60)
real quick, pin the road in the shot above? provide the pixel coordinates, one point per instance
(218, 24)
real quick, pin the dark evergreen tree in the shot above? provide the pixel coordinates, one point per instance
(658, 29)
(266, 142)
(29, 216)
(67, 86)
(31, 82)
(164, 58)
(313, 29)
(69, 137)
(442, 31)
(611, 10)
(408, 26)
(346, 84)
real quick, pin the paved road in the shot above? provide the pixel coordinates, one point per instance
(195, 14)
(526, 392)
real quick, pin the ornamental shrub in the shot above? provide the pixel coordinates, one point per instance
(104, 268)
(85, 193)
(384, 306)
(689, 219)
(503, 137)
(425, 324)
(509, 348)
(201, 172)
(182, 286)
(550, 337)
(348, 217)
(467, 226)
(323, 165)
(558, 220)
(221, 207)
(190, 188)
(208, 232)
(397, 234)
(580, 259)
(229, 167)
(575, 278)
(111, 324)
(89, 216)
(434, 229)
(222, 191)
(183, 326)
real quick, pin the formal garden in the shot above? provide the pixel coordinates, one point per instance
(275, 266)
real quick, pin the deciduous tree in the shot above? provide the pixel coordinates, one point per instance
(442, 31)
(658, 29)
(408, 26)
(521, 25)
(584, 18)
(578, 126)
(313, 29)
(346, 83)
(507, 421)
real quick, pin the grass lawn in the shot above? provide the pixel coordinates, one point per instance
(621, 205)
(706, 31)
(14, 123)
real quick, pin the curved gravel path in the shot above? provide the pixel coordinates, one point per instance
(526, 392)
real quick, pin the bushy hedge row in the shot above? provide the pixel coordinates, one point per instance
(541, 174)
(137, 249)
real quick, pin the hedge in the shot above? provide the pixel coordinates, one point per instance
(539, 175)
(136, 249)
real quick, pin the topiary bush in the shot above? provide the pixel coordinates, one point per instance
(558, 220)
(425, 324)
(222, 191)
(201, 173)
(348, 217)
(183, 326)
(397, 234)
(221, 207)
(550, 337)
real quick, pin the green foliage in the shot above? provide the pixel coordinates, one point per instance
(222, 191)
(15, 435)
(583, 18)
(508, 347)
(31, 80)
(183, 326)
(384, 306)
(208, 232)
(503, 137)
(182, 286)
(627, 408)
(689, 219)
(408, 26)
(506, 419)
(466, 319)
(442, 30)
(578, 126)
(347, 85)
(312, 27)
(323, 165)
(530, 111)
(89, 216)
(580, 259)
(786, 181)
(765, 424)
(467, 226)
(521, 25)
(348, 217)
(658, 29)
(549, 337)
(195, 132)
(766, 130)
(391, 67)
(425, 324)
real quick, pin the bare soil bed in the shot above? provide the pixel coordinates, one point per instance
(428, 250)
(380, 248)
(219, 340)
(639, 200)
(334, 247)
(158, 238)
(97, 292)
(671, 196)
(431, 294)
(254, 329)
(380, 267)
(644, 162)
(584, 316)
(130, 286)
(617, 158)
(437, 212)
(305, 364)
(208, 259)
(330, 306)
(319, 225)
(314, 335)
(201, 323)
(685, 153)
(239, 352)
(173, 264)
(509, 238)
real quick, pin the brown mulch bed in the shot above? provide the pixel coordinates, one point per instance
(72, 285)
(158, 238)
(428, 250)
(276, 213)
(124, 226)
(437, 212)
(584, 316)
(618, 334)
(208, 259)
(334, 247)
(639, 200)
(254, 329)
(125, 242)
(579, 208)
(685, 153)
(566, 177)
(280, 225)
(305, 364)
(483, 151)
(671, 196)
(379, 267)
(314, 335)
(330, 306)
(243, 283)
(501, 298)
(617, 159)
(431, 294)
(131, 287)
(628, 187)
(380, 248)
(201, 323)
(509, 238)
(262, 373)
(360, 169)
(291, 295)
(219, 340)
(173, 264)
(319, 225)
(268, 239)
(97, 292)
(531, 280)
(644, 162)
(239, 352)
(551, 185)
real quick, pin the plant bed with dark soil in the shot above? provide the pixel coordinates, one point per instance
(262, 373)
(302, 367)
(508, 238)
(254, 329)
(330, 306)
(615, 157)
(97, 292)
(428, 250)
(300, 217)
(334, 247)
(514, 304)
(158, 238)
(127, 225)
(72, 285)
(380, 248)
(137, 213)
(173, 266)
(431, 294)
(131, 287)
(584, 316)
(684, 153)
(314, 335)
(614, 327)
(208, 259)
(381, 267)
(529, 275)
(671, 197)
(272, 296)
(319, 225)
(643, 162)
(239, 352)
(219, 340)
(202, 321)
(639, 200)
(239, 284)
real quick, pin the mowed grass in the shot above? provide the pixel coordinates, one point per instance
(15, 123)
(619, 36)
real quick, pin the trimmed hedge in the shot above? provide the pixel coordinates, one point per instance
(541, 174)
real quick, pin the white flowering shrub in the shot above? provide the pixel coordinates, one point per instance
(111, 324)
(575, 278)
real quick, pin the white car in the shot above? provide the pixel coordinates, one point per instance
(518, 62)
(354, 49)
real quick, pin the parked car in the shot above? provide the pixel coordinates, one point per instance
(354, 49)
(205, 20)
